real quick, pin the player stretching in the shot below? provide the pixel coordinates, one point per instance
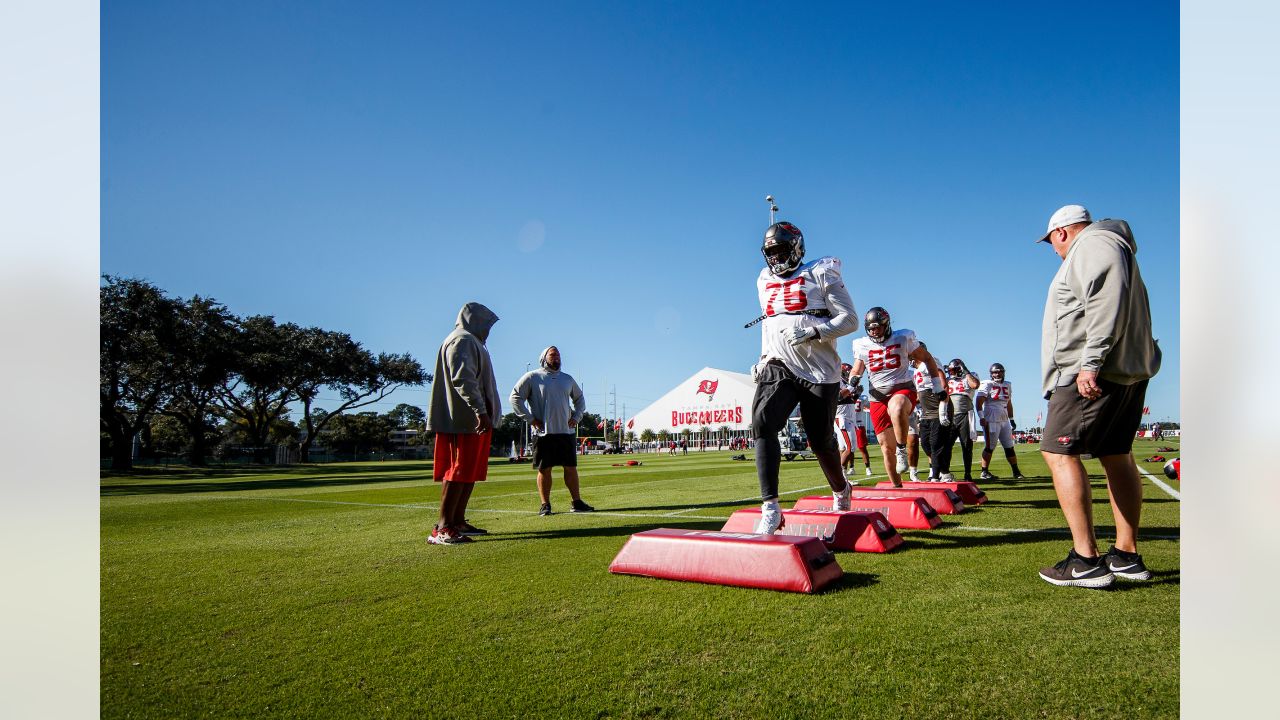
(806, 307)
(848, 420)
(888, 353)
(995, 407)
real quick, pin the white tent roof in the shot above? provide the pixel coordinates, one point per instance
(710, 398)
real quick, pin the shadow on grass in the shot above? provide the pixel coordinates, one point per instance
(851, 581)
(604, 531)
(1158, 577)
(294, 478)
(987, 539)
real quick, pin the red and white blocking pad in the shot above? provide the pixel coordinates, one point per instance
(847, 530)
(969, 492)
(905, 513)
(770, 562)
(942, 500)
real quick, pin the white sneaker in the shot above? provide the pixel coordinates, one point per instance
(946, 477)
(902, 460)
(770, 518)
(914, 477)
(868, 472)
(840, 500)
(848, 471)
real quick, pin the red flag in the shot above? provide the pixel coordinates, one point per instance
(708, 387)
(617, 424)
(631, 424)
(600, 426)
(1146, 410)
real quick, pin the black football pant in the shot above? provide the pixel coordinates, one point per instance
(777, 393)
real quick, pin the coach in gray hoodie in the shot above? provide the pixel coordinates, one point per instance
(1096, 355)
(464, 404)
(552, 402)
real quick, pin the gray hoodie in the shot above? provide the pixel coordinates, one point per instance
(464, 386)
(1097, 316)
(549, 396)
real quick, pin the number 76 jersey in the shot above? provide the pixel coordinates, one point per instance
(789, 303)
(887, 361)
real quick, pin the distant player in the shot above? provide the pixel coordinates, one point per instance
(849, 430)
(916, 436)
(887, 354)
(806, 307)
(995, 407)
(931, 402)
(960, 386)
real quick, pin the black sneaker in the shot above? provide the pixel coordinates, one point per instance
(986, 475)
(580, 506)
(545, 509)
(1126, 565)
(467, 528)
(1078, 571)
(1019, 476)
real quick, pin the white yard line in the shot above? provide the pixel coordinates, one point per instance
(1161, 484)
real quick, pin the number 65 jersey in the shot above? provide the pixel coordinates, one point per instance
(887, 361)
(791, 302)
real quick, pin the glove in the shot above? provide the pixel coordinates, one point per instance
(944, 415)
(857, 390)
(755, 371)
(1013, 425)
(798, 335)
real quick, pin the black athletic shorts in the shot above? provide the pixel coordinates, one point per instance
(1101, 427)
(555, 449)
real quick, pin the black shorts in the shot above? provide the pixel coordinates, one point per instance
(1101, 427)
(778, 391)
(555, 449)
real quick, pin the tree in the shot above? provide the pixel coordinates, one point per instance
(255, 396)
(723, 431)
(135, 374)
(407, 417)
(647, 436)
(664, 435)
(203, 359)
(508, 430)
(357, 432)
(589, 426)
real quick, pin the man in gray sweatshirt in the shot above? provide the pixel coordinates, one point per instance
(1097, 354)
(464, 402)
(553, 404)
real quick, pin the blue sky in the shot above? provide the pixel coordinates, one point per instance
(595, 172)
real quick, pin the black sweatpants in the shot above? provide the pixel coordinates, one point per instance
(778, 391)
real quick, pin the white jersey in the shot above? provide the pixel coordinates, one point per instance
(815, 285)
(998, 395)
(960, 394)
(887, 362)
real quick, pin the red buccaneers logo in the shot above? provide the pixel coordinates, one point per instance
(708, 387)
(1064, 439)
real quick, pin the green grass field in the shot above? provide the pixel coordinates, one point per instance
(311, 592)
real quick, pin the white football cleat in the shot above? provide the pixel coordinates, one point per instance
(868, 472)
(770, 518)
(914, 476)
(840, 500)
(902, 460)
(946, 477)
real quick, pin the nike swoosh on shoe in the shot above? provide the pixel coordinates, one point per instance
(1075, 574)
(1122, 568)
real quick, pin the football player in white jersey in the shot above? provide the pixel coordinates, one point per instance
(995, 408)
(806, 307)
(887, 354)
(849, 430)
(960, 386)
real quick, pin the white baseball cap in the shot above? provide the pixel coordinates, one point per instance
(1064, 216)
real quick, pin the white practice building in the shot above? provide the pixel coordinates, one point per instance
(710, 398)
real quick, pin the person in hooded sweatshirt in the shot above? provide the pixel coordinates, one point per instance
(1097, 354)
(553, 404)
(464, 403)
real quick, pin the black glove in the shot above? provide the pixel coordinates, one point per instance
(1013, 424)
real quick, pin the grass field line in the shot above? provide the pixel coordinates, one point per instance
(1162, 485)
